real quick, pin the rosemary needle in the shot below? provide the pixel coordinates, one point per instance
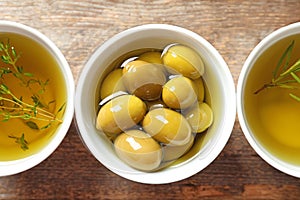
(284, 74)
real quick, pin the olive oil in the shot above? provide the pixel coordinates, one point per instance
(272, 114)
(35, 60)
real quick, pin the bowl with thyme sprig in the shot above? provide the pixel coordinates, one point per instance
(36, 97)
(268, 99)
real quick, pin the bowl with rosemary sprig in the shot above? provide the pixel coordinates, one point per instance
(268, 99)
(36, 97)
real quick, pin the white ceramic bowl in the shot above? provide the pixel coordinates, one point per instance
(20, 165)
(262, 151)
(217, 77)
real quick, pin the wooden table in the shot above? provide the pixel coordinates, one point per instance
(77, 27)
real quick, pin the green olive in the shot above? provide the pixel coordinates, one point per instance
(199, 89)
(143, 79)
(138, 150)
(120, 113)
(200, 117)
(183, 60)
(179, 93)
(167, 126)
(112, 83)
(173, 152)
(155, 104)
(151, 57)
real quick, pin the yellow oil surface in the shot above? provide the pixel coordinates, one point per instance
(37, 61)
(272, 114)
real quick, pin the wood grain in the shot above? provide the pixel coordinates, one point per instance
(78, 27)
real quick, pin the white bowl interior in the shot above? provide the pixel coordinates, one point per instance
(13, 167)
(276, 36)
(217, 77)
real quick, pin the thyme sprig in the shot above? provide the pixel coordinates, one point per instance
(21, 141)
(284, 75)
(14, 107)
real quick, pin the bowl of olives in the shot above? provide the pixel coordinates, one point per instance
(155, 104)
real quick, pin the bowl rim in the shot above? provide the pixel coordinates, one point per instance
(195, 165)
(263, 45)
(17, 166)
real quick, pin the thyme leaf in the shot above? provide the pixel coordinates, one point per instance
(32, 125)
(21, 141)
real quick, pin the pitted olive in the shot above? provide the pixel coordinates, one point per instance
(199, 89)
(112, 83)
(120, 114)
(183, 60)
(138, 150)
(200, 117)
(167, 126)
(143, 79)
(173, 152)
(155, 104)
(151, 57)
(179, 93)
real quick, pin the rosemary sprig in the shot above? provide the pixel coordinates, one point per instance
(13, 107)
(284, 75)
